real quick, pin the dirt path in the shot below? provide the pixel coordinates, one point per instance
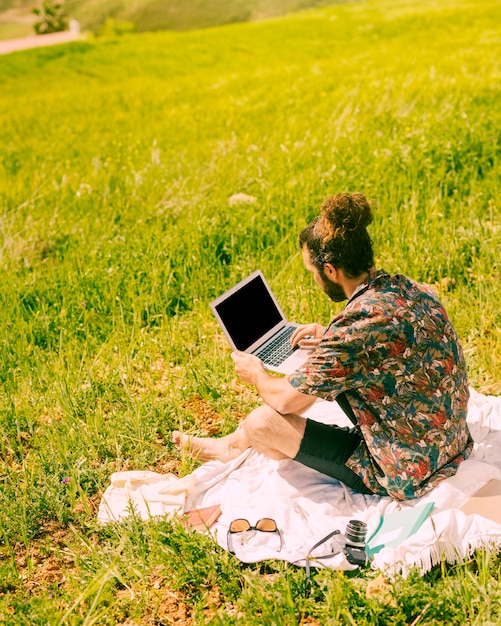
(35, 41)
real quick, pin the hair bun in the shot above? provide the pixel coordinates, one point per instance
(343, 213)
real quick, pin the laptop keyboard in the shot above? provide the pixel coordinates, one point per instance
(275, 352)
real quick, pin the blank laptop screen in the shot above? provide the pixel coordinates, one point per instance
(249, 313)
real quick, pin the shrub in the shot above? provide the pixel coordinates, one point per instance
(51, 18)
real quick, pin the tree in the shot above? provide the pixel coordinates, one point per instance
(51, 18)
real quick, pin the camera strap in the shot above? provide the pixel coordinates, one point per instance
(322, 556)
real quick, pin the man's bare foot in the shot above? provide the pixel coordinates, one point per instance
(206, 448)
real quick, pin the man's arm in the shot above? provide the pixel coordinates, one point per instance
(277, 392)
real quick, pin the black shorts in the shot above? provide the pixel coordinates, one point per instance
(326, 448)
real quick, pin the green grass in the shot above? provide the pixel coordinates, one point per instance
(13, 30)
(118, 160)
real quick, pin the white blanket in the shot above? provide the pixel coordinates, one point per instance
(307, 505)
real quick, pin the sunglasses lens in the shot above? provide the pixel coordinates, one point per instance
(239, 525)
(267, 525)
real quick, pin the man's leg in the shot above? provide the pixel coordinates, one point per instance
(275, 435)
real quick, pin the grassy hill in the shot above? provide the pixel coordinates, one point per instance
(119, 158)
(177, 15)
(150, 15)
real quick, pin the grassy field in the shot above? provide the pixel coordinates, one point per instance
(16, 19)
(118, 161)
(149, 15)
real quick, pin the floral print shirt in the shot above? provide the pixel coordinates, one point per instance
(395, 354)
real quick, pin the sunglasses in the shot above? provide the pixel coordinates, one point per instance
(265, 525)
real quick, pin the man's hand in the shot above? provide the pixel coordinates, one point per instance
(247, 366)
(308, 335)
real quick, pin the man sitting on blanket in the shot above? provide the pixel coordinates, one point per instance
(391, 359)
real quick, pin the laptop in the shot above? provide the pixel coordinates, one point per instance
(254, 323)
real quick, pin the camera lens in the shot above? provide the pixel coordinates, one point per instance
(356, 531)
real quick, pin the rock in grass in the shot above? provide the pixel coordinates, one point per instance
(241, 198)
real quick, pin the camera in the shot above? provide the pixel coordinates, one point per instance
(353, 542)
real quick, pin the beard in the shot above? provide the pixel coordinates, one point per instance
(333, 290)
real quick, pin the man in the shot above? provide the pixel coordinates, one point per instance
(391, 359)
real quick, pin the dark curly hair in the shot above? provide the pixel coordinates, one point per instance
(339, 235)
